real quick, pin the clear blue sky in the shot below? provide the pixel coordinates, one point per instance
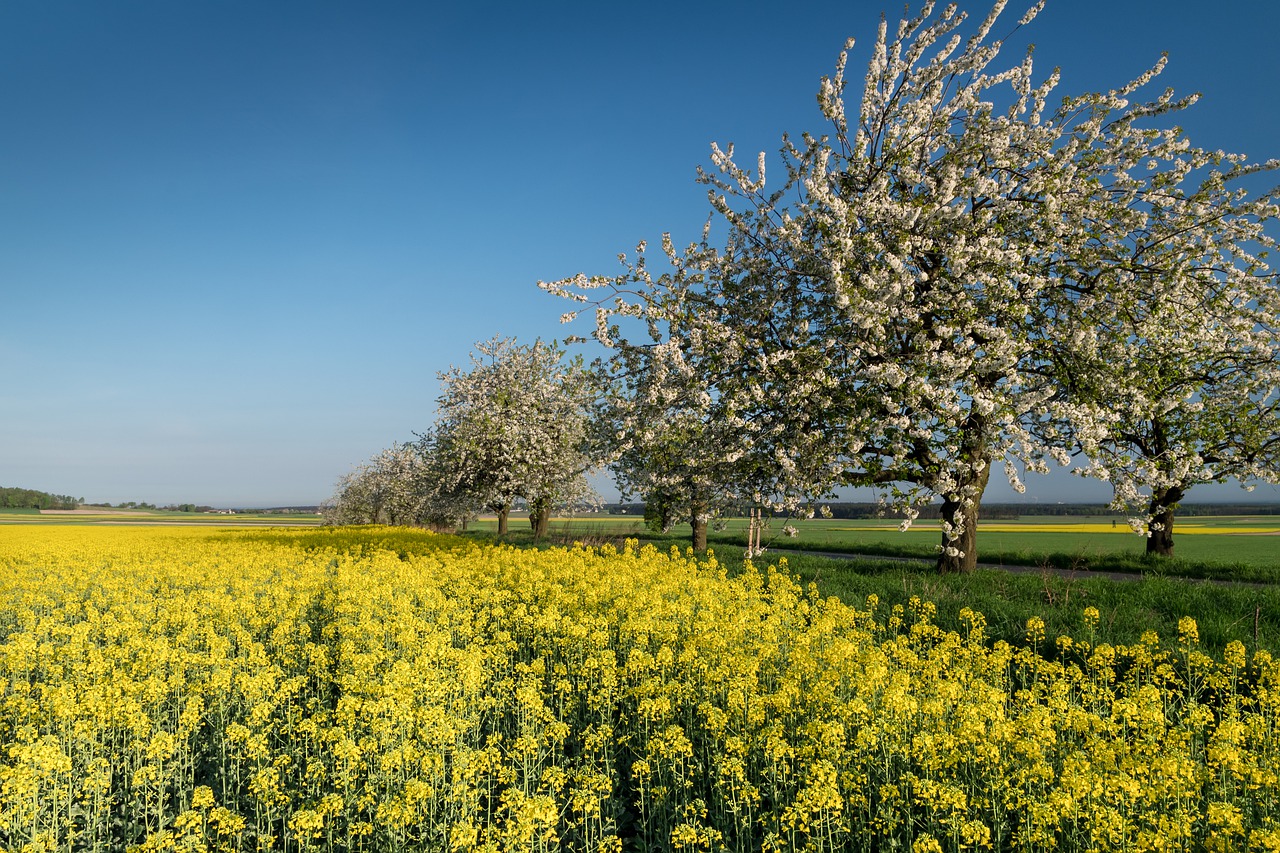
(239, 239)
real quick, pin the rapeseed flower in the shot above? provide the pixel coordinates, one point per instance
(386, 689)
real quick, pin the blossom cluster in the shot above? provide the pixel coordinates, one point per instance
(388, 689)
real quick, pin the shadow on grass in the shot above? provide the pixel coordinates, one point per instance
(1083, 561)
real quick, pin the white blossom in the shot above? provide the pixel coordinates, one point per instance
(517, 422)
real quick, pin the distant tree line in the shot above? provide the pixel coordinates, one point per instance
(1004, 511)
(869, 509)
(1229, 509)
(16, 498)
(187, 507)
(654, 518)
(128, 505)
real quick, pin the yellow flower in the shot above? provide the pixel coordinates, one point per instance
(1188, 633)
(1234, 655)
(202, 797)
(926, 844)
(380, 681)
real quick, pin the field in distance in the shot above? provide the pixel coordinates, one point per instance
(106, 515)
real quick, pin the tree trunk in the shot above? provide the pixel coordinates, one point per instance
(542, 524)
(698, 519)
(540, 518)
(503, 514)
(967, 542)
(1160, 541)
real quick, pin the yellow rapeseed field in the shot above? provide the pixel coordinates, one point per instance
(386, 690)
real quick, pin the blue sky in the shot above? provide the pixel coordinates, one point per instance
(239, 239)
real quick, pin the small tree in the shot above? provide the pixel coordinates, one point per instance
(447, 497)
(386, 490)
(517, 422)
(1173, 373)
(665, 435)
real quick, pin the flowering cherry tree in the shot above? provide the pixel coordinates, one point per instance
(1173, 369)
(891, 314)
(349, 503)
(517, 426)
(665, 435)
(385, 490)
(447, 497)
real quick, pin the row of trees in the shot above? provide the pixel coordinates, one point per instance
(512, 430)
(957, 277)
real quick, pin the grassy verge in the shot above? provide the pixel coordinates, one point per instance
(1127, 609)
(1082, 561)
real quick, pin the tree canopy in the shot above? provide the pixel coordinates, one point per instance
(513, 427)
(517, 423)
(18, 498)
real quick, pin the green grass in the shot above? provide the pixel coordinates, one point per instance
(1221, 555)
(1007, 600)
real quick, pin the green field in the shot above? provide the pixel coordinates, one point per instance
(1225, 547)
(1082, 542)
(140, 516)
